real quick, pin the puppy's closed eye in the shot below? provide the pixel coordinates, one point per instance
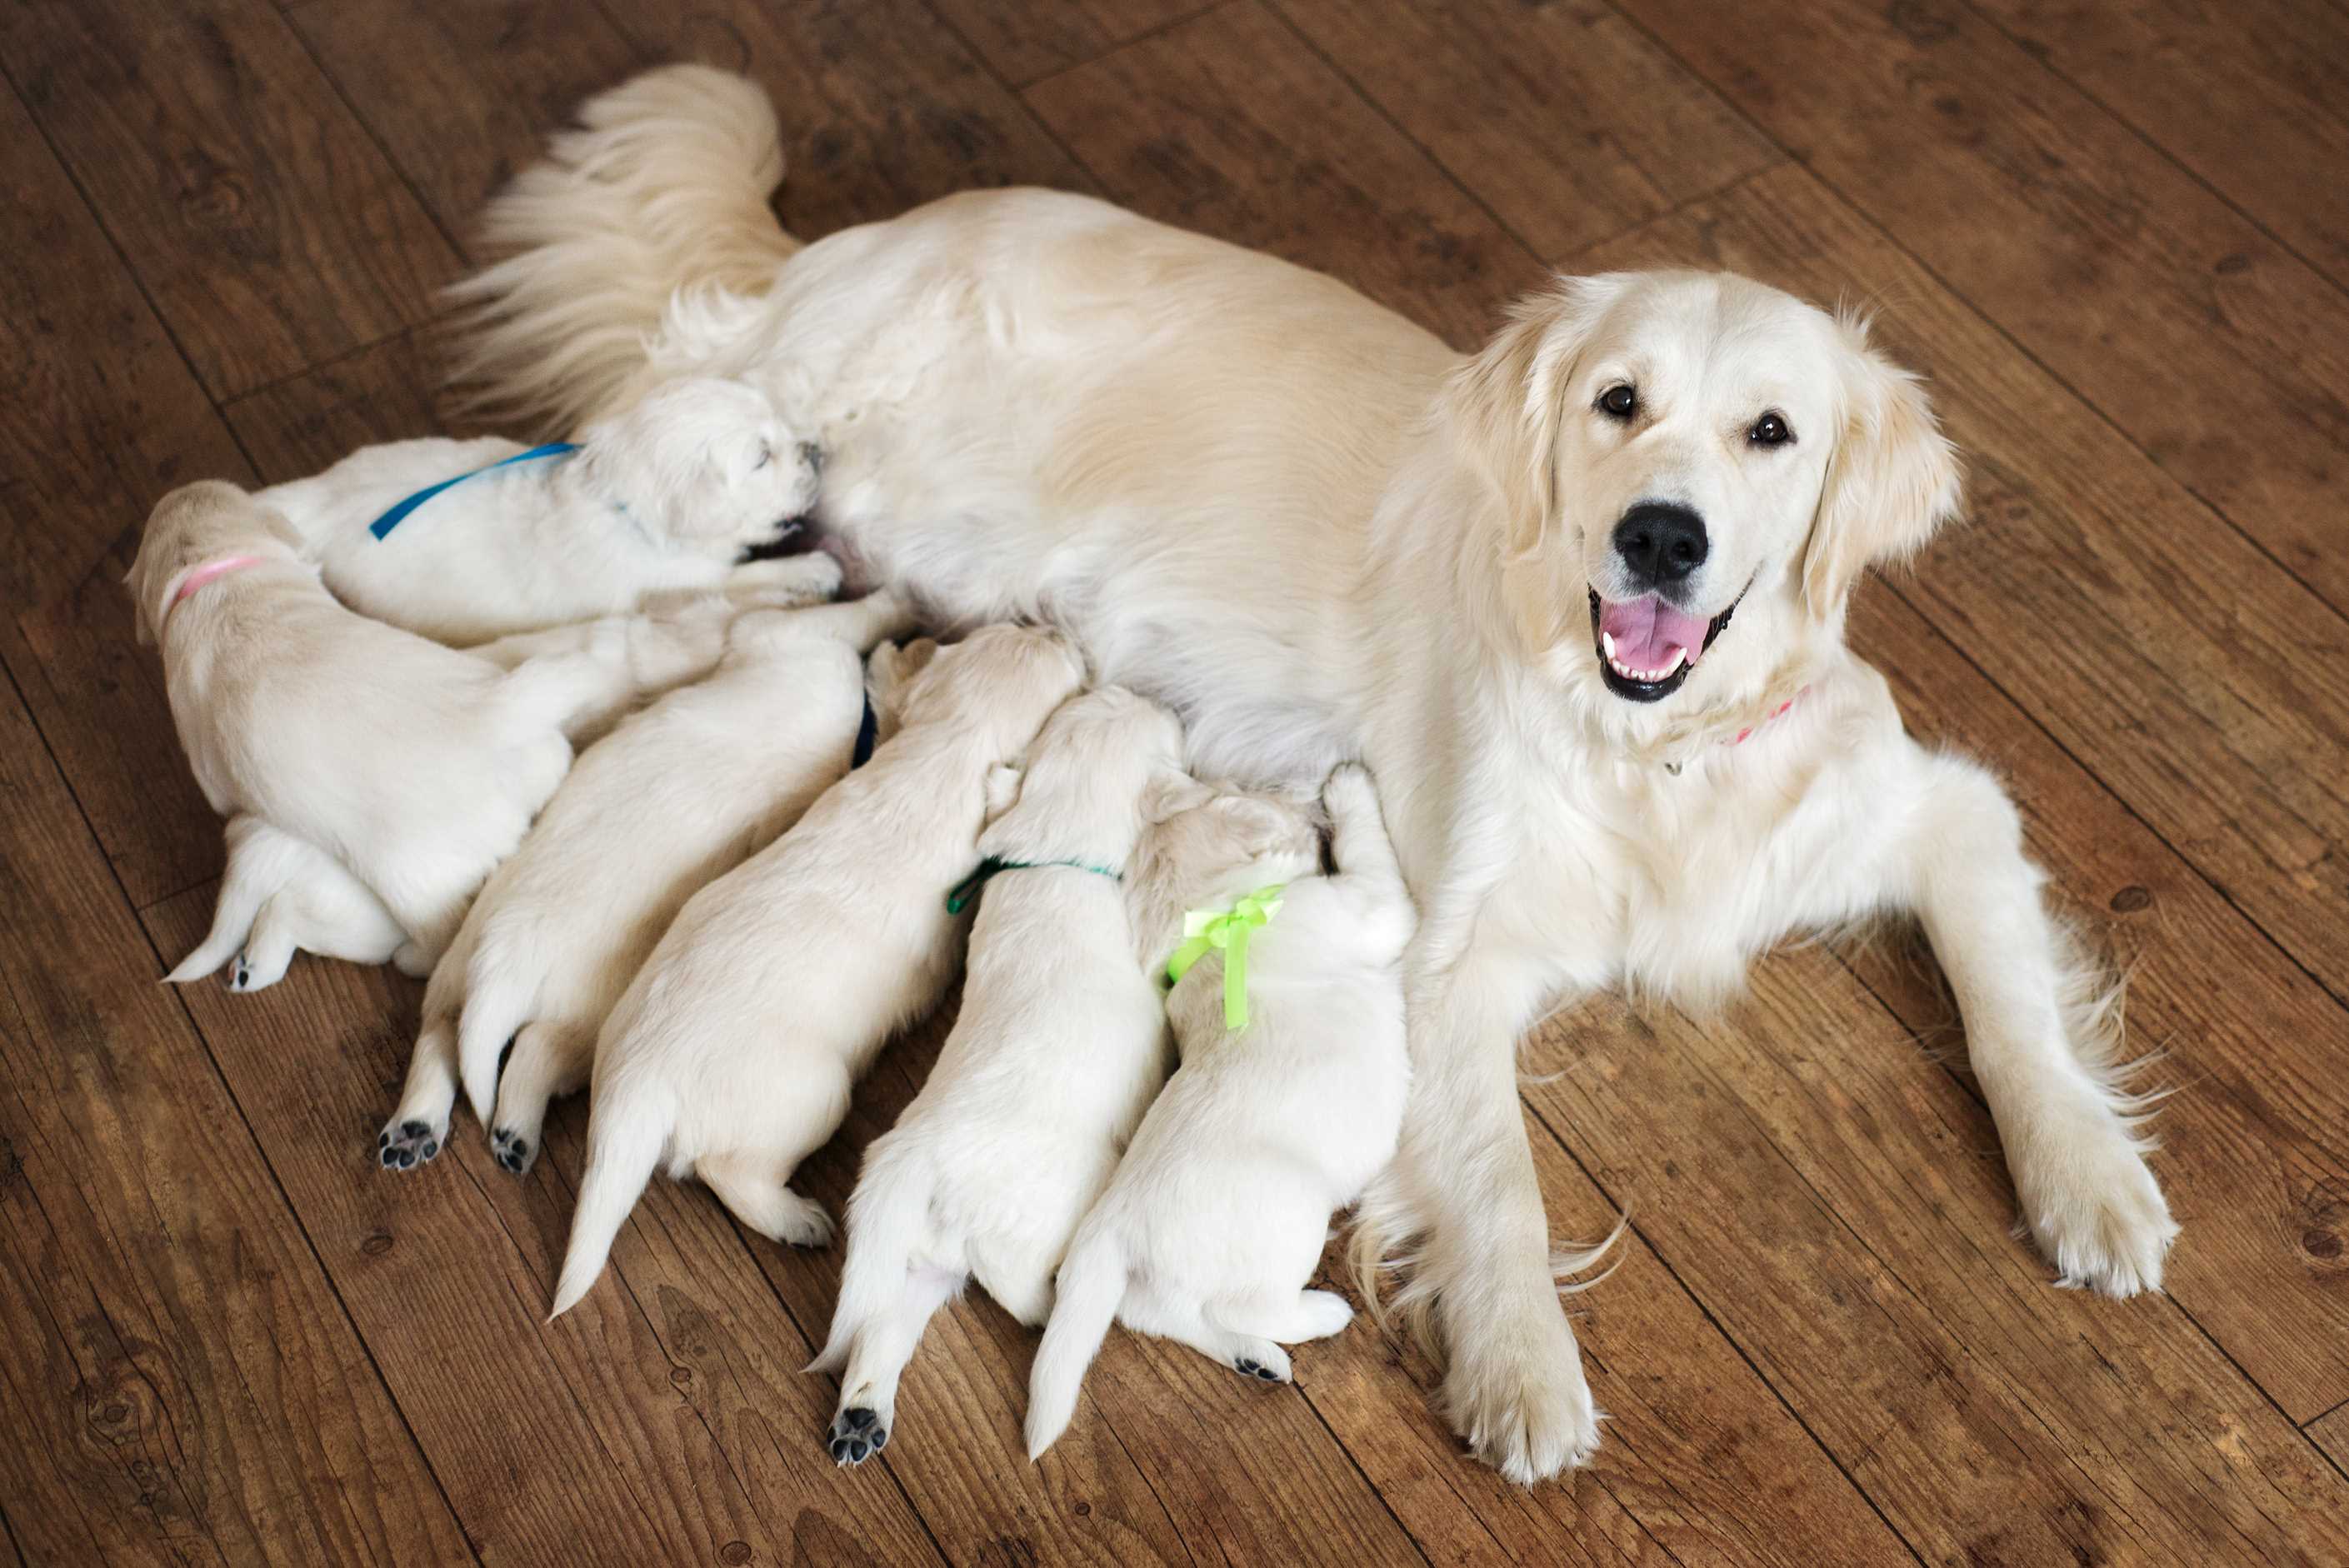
(766, 456)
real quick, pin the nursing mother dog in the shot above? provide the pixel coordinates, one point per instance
(1578, 601)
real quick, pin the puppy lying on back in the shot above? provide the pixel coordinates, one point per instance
(667, 496)
(416, 768)
(280, 896)
(675, 797)
(1060, 1044)
(731, 1055)
(1218, 1213)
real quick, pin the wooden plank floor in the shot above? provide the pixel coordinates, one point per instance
(2114, 236)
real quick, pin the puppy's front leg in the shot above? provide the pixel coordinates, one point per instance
(2079, 1169)
(1514, 1385)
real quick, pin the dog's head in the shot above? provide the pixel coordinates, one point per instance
(1672, 449)
(1002, 680)
(704, 465)
(1088, 777)
(1206, 845)
(206, 521)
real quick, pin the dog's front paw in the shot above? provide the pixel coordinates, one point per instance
(2092, 1206)
(857, 1435)
(405, 1145)
(1516, 1393)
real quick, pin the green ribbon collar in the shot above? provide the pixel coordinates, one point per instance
(1229, 931)
(966, 893)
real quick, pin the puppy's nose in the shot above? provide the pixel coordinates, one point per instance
(812, 455)
(1661, 542)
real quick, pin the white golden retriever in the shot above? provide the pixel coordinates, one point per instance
(1319, 534)
(675, 797)
(415, 767)
(666, 496)
(1060, 1044)
(1219, 1211)
(731, 1054)
(281, 896)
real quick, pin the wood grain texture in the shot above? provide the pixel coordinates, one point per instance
(390, 391)
(256, 212)
(462, 96)
(1841, 1205)
(1024, 40)
(2217, 351)
(2082, 582)
(1231, 126)
(556, 1443)
(2332, 1435)
(179, 1375)
(1562, 118)
(2252, 97)
(882, 108)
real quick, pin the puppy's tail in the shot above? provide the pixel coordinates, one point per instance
(1084, 1303)
(259, 861)
(884, 1221)
(663, 185)
(626, 1134)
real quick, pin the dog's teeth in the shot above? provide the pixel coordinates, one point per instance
(1674, 662)
(1606, 641)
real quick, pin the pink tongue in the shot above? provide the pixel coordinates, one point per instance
(1646, 630)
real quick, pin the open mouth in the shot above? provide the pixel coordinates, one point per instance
(1647, 647)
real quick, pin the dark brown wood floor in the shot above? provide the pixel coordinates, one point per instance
(2116, 236)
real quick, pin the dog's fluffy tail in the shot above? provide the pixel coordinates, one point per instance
(663, 185)
(1084, 1303)
(626, 1134)
(261, 861)
(885, 1221)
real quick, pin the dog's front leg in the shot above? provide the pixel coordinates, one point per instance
(1514, 1385)
(2032, 1031)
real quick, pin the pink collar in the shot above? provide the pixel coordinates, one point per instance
(212, 569)
(1778, 712)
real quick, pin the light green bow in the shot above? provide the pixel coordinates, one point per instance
(1203, 929)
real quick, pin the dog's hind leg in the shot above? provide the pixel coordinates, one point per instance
(269, 947)
(548, 1059)
(868, 1389)
(421, 1125)
(751, 1183)
(1249, 1354)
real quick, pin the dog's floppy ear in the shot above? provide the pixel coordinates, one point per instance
(1505, 404)
(1893, 478)
(1169, 795)
(1002, 789)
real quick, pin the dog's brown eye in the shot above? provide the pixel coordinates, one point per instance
(1619, 401)
(1770, 431)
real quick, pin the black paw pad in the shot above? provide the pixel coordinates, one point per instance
(857, 1435)
(407, 1146)
(1247, 1368)
(511, 1151)
(239, 977)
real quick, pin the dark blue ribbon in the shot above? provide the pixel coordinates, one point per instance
(390, 520)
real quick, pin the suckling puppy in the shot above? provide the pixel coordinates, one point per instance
(668, 495)
(675, 797)
(280, 895)
(1058, 1048)
(731, 1054)
(1219, 1211)
(416, 768)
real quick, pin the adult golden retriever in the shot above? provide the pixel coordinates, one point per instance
(1578, 600)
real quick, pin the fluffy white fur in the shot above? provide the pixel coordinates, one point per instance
(1318, 532)
(675, 797)
(416, 768)
(1059, 1045)
(1218, 1213)
(280, 896)
(666, 496)
(731, 1054)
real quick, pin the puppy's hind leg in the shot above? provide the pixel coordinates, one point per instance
(868, 1389)
(1249, 1354)
(751, 1184)
(421, 1125)
(548, 1059)
(269, 947)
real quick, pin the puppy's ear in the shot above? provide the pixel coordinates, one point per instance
(1892, 480)
(1504, 405)
(892, 668)
(1169, 795)
(1002, 789)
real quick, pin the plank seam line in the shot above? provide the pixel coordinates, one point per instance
(1158, 30)
(340, 357)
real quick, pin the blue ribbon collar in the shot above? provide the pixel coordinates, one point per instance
(383, 525)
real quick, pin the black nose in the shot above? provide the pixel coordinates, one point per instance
(1661, 542)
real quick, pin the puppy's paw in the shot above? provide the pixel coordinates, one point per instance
(512, 1151)
(857, 1435)
(1263, 1372)
(1324, 1312)
(1516, 1393)
(405, 1145)
(412, 961)
(240, 974)
(2093, 1207)
(801, 1222)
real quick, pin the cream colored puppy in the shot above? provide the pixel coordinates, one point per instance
(731, 1054)
(1058, 1048)
(666, 497)
(677, 796)
(416, 768)
(280, 895)
(1218, 1213)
